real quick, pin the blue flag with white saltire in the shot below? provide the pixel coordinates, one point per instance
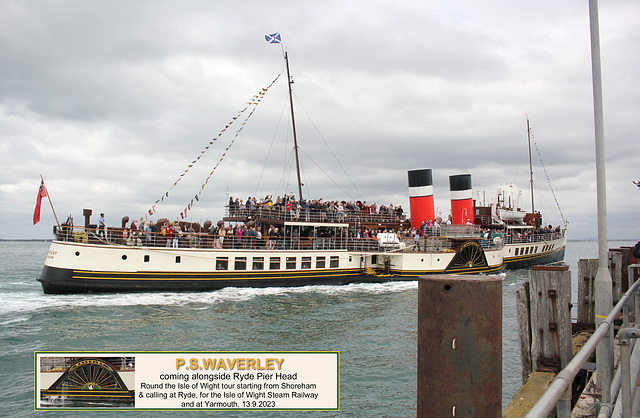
(273, 38)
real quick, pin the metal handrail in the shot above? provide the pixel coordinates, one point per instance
(564, 379)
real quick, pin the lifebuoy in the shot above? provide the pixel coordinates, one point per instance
(217, 244)
(270, 245)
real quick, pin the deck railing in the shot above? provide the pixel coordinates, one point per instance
(537, 237)
(435, 240)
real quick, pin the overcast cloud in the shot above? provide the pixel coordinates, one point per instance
(111, 101)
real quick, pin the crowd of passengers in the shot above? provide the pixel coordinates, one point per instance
(289, 208)
(250, 236)
(243, 236)
(544, 233)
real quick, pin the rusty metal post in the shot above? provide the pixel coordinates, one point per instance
(87, 218)
(459, 346)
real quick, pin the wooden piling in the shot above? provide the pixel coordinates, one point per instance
(550, 317)
(587, 269)
(544, 326)
(459, 346)
(542, 352)
(619, 260)
(615, 268)
(544, 319)
(524, 328)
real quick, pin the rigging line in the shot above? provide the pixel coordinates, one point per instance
(286, 158)
(290, 170)
(183, 214)
(281, 180)
(535, 144)
(273, 138)
(326, 174)
(305, 179)
(330, 150)
(287, 161)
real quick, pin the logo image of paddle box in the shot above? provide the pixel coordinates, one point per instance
(66, 381)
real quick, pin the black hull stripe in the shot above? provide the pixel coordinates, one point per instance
(534, 257)
(206, 276)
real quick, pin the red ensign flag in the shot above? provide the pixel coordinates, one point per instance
(42, 192)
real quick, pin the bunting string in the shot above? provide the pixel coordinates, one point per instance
(196, 198)
(255, 101)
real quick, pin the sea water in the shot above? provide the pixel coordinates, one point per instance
(373, 326)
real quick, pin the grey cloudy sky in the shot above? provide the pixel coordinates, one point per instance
(111, 101)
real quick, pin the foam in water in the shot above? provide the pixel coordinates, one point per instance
(30, 302)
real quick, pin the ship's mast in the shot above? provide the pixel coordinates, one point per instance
(293, 124)
(530, 165)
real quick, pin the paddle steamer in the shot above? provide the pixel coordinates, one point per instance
(311, 246)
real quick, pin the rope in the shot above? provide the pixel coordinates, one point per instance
(564, 220)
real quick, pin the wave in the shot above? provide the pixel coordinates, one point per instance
(18, 302)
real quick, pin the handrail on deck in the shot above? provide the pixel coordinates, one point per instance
(564, 379)
(436, 240)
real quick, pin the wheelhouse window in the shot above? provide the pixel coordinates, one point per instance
(222, 263)
(274, 263)
(258, 263)
(291, 263)
(306, 263)
(240, 263)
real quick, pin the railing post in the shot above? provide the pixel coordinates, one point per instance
(635, 298)
(625, 337)
(587, 269)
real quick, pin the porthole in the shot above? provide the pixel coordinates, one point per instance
(146, 258)
(178, 259)
(77, 253)
(124, 256)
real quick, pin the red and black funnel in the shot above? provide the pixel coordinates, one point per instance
(461, 199)
(420, 196)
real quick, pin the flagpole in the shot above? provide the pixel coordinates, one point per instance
(51, 203)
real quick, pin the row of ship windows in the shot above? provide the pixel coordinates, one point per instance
(274, 263)
(533, 250)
